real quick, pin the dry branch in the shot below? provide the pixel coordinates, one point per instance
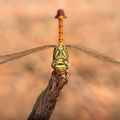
(46, 101)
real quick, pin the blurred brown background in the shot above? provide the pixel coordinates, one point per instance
(93, 89)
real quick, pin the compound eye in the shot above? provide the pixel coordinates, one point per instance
(66, 62)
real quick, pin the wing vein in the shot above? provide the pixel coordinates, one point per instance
(10, 57)
(95, 54)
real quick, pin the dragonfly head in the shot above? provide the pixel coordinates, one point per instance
(60, 14)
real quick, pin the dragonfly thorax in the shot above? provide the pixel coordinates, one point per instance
(60, 58)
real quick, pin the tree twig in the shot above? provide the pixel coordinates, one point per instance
(46, 101)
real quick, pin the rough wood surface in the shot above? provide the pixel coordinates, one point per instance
(46, 101)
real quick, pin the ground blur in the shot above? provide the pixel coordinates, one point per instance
(93, 89)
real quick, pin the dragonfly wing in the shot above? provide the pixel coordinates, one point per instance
(9, 57)
(95, 54)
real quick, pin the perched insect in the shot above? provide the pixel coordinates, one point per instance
(60, 53)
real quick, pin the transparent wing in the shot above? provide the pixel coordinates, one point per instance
(9, 57)
(95, 54)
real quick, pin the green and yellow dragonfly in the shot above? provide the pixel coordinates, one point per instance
(60, 53)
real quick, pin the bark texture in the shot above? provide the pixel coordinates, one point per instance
(46, 101)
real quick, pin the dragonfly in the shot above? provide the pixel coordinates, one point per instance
(60, 52)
